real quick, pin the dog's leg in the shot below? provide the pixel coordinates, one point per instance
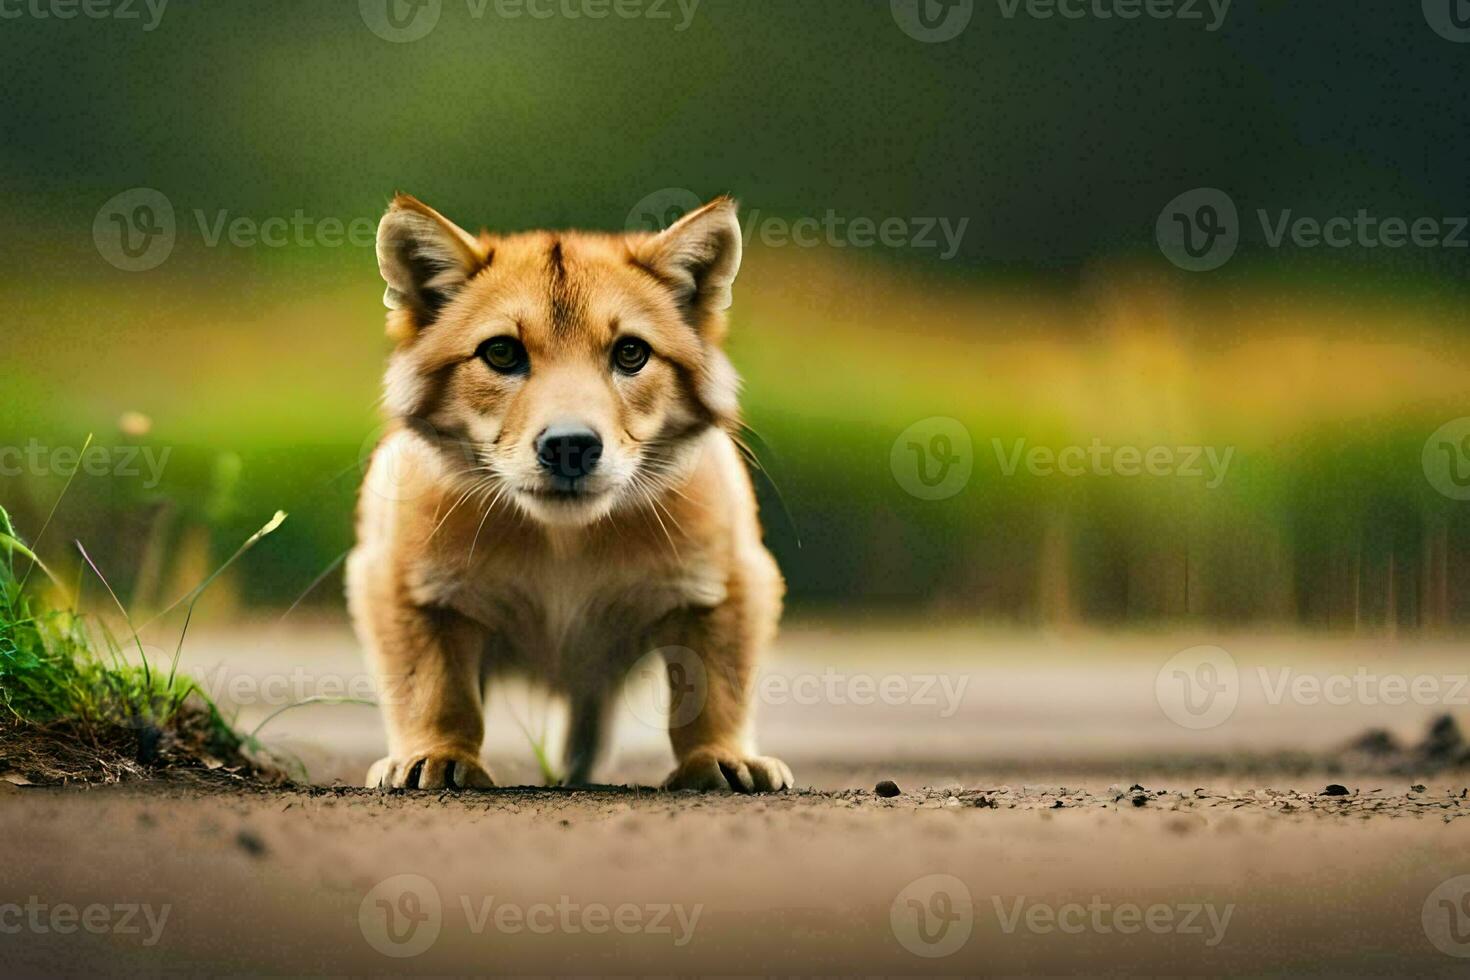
(586, 735)
(428, 664)
(711, 678)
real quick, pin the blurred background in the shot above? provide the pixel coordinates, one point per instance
(958, 252)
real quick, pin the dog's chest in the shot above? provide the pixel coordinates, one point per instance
(550, 611)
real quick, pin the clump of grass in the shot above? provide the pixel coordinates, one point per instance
(69, 695)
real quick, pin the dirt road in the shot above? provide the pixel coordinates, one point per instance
(1001, 881)
(1051, 819)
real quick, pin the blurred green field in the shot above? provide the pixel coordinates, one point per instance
(1324, 392)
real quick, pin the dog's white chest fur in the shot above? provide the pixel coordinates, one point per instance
(559, 611)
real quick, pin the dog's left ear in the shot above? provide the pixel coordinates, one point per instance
(698, 256)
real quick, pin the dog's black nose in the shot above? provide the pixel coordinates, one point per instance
(568, 451)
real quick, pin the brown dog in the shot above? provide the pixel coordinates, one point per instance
(559, 493)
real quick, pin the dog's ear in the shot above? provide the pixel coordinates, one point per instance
(698, 257)
(425, 259)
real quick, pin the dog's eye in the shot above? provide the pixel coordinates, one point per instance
(504, 354)
(630, 354)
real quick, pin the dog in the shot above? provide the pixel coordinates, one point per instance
(559, 492)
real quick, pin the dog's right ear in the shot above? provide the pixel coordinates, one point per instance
(425, 259)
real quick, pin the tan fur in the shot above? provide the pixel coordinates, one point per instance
(465, 570)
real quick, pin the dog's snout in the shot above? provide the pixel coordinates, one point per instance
(570, 451)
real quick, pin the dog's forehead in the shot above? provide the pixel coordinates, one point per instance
(562, 289)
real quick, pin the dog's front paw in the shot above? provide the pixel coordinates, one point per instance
(429, 770)
(725, 771)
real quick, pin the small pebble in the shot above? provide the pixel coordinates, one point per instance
(250, 844)
(1335, 789)
(887, 788)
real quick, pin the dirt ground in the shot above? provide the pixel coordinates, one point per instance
(1050, 824)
